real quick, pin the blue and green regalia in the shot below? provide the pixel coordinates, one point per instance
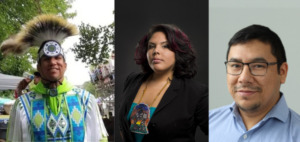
(60, 113)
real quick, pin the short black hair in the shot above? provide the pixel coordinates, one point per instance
(37, 74)
(185, 58)
(263, 34)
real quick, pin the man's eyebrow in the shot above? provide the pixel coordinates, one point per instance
(258, 59)
(235, 60)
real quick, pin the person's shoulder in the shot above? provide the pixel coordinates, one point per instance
(80, 92)
(195, 85)
(135, 76)
(295, 118)
(219, 119)
(84, 95)
(221, 111)
(191, 81)
(294, 124)
(29, 96)
(25, 100)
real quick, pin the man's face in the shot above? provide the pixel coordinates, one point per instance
(52, 68)
(255, 93)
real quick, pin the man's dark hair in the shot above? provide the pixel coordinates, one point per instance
(263, 34)
(37, 74)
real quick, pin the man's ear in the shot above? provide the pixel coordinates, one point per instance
(38, 67)
(283, 72)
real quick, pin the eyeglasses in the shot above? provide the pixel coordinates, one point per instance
(257, 69)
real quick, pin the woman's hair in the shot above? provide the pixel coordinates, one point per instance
(179, 43)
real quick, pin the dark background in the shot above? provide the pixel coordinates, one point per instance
(133, 19)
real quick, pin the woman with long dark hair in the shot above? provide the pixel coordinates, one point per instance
(164, 103)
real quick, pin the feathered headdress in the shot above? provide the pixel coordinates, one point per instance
(44, 31)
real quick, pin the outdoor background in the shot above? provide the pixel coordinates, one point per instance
(228, 17)
(89, 55)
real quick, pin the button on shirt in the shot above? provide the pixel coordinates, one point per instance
(281, 124)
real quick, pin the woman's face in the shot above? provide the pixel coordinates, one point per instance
(160, 58)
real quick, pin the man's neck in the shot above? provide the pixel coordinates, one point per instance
(51, 84)
(251, 118)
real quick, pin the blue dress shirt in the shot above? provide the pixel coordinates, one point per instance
(281, 124)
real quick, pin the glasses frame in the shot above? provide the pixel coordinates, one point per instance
(268, 64)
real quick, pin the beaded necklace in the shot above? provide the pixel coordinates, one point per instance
(140, 115)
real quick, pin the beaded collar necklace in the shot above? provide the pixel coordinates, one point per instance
(140, 115)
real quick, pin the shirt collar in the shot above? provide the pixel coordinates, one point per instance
(64, 87)
(279, 111)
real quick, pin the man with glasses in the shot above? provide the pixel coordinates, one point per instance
(256, 67)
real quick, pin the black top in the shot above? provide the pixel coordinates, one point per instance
(183, 107)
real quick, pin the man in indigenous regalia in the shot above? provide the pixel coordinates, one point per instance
(54, 110)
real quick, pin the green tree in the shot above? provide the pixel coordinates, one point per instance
(13, 15)
(95, 44)
(7, 94)
(98, 89)
(15, 65)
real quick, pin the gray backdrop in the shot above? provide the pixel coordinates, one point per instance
(227, 17)
(133, 19)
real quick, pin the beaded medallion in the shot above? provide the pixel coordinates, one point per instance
(140, 118)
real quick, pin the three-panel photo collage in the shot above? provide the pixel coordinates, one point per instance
(150, 71)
